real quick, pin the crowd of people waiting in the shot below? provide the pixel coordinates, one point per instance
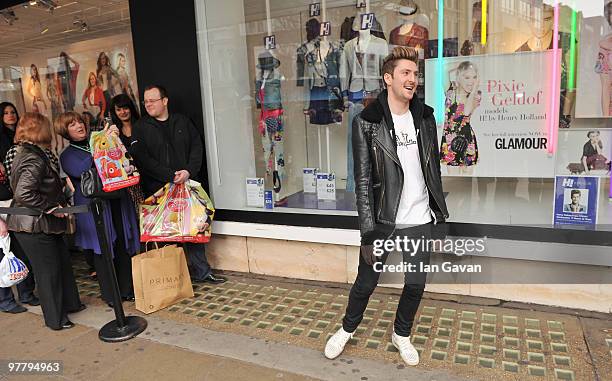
(166, 148)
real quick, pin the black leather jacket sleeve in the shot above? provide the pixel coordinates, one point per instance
(435, 157)
(363, 181)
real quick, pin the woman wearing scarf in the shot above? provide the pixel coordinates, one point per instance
(37, 186)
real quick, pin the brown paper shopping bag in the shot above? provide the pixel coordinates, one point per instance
(161, 278)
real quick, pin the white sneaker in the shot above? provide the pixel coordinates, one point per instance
(406, 349)
(335, 345)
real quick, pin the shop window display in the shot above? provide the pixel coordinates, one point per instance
(324, 81)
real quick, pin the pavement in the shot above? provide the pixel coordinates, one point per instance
(264, 328)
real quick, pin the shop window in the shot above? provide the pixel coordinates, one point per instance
(279, 107)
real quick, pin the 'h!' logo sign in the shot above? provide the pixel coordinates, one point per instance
(367, 21)
(325, 28)
(315, 9)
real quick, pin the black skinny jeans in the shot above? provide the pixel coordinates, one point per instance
(367, 280)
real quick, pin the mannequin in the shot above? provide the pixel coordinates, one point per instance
(410, 33)
(360, 73)
(271, 129)
(322, 96)
(347, 32)
(312, 33)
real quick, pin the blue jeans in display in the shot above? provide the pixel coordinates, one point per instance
(25, 289)
(355, 109)
(198, 264)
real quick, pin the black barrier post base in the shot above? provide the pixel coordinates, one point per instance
(113, 333)
(122, 328)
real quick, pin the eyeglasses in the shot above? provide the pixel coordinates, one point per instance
(149, 101)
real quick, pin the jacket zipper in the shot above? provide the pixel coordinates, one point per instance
(381, 175)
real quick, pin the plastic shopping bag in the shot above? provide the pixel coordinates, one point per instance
(177, 213)
(12, 269)
(114, 164)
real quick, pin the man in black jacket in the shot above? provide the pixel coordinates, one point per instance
(168, 148)
(398, 193)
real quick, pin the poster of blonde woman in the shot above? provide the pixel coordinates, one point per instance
(594, 87)
(494, 113)
(34, 91)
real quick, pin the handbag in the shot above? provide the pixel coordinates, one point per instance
(597, 162)
(459, 145)
(460, 142)
(91, 186)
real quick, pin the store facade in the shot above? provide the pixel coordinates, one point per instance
(274, 85)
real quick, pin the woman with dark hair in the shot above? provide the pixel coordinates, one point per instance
(8, 124)
(592, 154)
(37, 186)
(67, 72)
(54, 92)
(119, 216)
(9, 118)
(124, 115)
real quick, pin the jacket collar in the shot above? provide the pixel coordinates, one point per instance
(379, 110)
(150, 120)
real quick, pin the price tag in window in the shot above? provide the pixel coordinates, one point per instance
(270, 42)
(325, 28)
(310, 180)
(255, 191)
(315, 9)
(326, 186)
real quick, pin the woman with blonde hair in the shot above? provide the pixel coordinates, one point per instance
(459, 149)
(37, 186)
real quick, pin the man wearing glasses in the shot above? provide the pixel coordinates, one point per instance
(168, 148)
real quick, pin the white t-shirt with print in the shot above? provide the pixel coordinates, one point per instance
(414, 202)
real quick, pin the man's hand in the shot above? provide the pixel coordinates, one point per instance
(181, 176)
(367, 252)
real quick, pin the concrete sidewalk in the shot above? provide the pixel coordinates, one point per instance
(262, 328)
(85, 357)
(181, 351)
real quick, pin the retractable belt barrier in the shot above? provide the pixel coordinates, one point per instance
(123, 327)
(31, 212)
